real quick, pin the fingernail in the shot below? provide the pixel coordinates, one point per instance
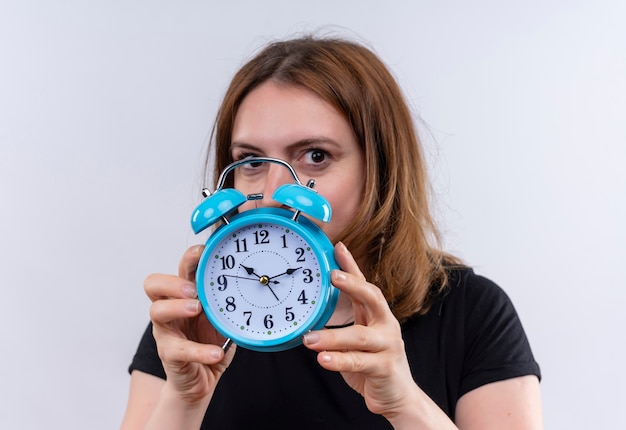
(326, 358)
(189, 290)
(216, 353)
(339, 275)
(311, 338)
(192, 306)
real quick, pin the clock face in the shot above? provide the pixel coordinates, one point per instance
(263, 282)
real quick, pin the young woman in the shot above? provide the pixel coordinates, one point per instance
(417, 340)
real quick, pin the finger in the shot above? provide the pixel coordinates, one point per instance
(354, 362)
(159, 286)
(189, 262)
(343, 362)
(346, 261)
(357, 338)
(165, 311)
(367, 299)
(185, 351)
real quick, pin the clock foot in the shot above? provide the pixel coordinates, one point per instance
(227, 344)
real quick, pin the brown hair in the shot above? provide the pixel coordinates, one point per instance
(393, 233)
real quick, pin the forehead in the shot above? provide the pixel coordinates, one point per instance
(274, 109)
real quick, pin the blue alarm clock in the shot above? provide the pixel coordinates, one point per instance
(264, 276)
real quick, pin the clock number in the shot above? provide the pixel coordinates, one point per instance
(228, 262)
(267, 321)
(242, 246)
(307, 276)
(300, 253)
(230, 304)
(284, 237)
(261, 237)
(289, 316)
(223, 282)
(249, 315)
(302, 298)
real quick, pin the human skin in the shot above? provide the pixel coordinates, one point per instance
(292, 124)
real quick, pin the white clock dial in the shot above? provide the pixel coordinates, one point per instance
(262, 281)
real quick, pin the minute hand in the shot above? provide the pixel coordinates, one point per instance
(287, 272)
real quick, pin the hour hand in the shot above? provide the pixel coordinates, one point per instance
(262, 279)
(249, 270)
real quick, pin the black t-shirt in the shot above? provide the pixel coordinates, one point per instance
(472, 336)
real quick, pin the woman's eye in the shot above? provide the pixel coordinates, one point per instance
(246, 156)
(251, 167)
(316, 156)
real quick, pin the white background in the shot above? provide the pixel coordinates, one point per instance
(105, 110)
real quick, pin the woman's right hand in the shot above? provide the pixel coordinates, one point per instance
(188, 345)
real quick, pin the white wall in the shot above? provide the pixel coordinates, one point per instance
(105, 108)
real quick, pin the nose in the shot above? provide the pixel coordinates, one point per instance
(277, 175)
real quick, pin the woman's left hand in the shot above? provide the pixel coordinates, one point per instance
(371, 358)
(370, 354)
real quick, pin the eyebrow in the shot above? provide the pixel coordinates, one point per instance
(309, 141)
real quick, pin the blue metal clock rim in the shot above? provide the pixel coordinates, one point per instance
(324, 252)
